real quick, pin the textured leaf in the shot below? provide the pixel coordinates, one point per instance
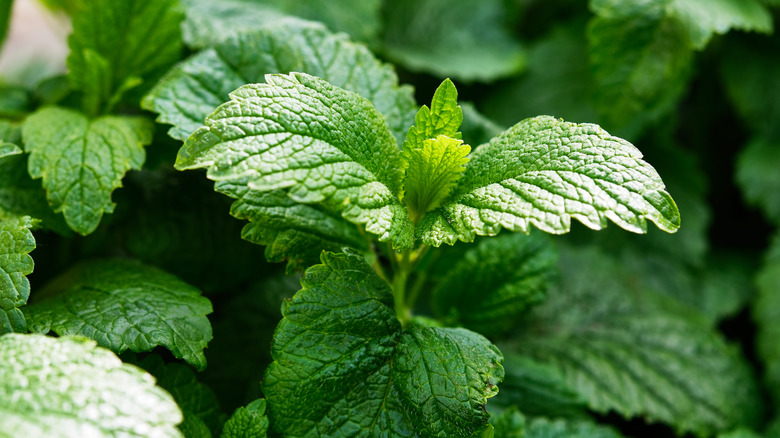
(704, 18)
(117, 43)
(247, 422)
(21, 196)
(67, 387)
(194, 398)
(765, 313)
(16, 242)
(209, 23)
(9, 149)
(433, 155)
(637, 355)
(460, 39)
(538, 389)
(205, 80)
(544, 172)
(495, 281)
(640, 65)
(127, 305)
(341, 347)
(82, 161)
(294, 232)
(320, 142)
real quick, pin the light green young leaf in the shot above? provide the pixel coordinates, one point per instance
(543, 172)
(494, 282)
(702, 19)
(369, 376)
(83, 160)
(444, 117)
(66, 387)
(124, 305)
(766, 314)
(460, 39)
(637, 354)
(248, 421)
(117, 43)
(205, 80)
(16, 242)
(294, 232)
(196, 400)
(640, 65)
(431, 172)
(322, 143)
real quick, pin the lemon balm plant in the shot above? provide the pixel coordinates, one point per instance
(418, 233)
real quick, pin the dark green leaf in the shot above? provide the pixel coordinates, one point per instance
(340, 346)
(16, 242)
(495, 282)
(247, 422)
(758, 177)
(460, 39)
(636, 354)
(83, 160)
(544, 428)
(66, 387)
(766, 312)
(123, 305)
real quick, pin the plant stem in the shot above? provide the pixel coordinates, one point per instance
(400, 278)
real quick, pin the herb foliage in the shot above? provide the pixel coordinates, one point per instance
(441, 274)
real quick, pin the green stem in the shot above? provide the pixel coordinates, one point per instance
(399, 289)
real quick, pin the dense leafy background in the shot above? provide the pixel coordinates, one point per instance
(604, 334)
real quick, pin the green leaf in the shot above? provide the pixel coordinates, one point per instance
(740, 433)
(116, 44)
(477, 128)
(495, 282)
(543, 172)
(510, 424)
(247, 422)
(758, 178)
(433, 156)
(293, 232)
(340, 344)
(765, 313)
(7, 149)
(545, 428)
(750, 74)
(67, 387)
(123, 305)
(637, 355)
(196, 400)
(209, 23)
(702, 19)
(538, 389)
(320, 142)
(83, 160)
(640, 68)
(460, 39)
(16, 242)
(205, 80)
(21, 196)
